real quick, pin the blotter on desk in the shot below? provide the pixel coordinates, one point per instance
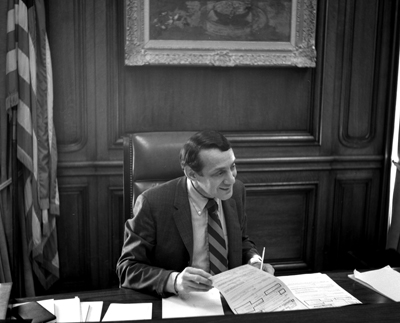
(32, 311)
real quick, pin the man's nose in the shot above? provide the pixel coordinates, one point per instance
(230, 178)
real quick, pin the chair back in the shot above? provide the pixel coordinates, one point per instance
(149, 159)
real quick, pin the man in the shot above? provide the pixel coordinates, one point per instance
(169, 248)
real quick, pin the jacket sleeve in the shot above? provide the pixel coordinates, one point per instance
(134, 267)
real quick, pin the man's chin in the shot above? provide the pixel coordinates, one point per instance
(226, 194)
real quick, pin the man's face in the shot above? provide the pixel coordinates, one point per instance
(218, 174)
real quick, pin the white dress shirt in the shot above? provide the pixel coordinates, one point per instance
(199, 224)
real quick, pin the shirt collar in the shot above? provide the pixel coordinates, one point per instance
(198, 200)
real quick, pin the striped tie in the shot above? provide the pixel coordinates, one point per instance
(216, 240)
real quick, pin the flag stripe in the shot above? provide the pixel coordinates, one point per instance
(11, 21)
(12, 65)
(24, 118)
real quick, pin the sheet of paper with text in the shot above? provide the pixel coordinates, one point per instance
(251, 290)
(318, 291)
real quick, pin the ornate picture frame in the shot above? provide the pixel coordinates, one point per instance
(220, 33)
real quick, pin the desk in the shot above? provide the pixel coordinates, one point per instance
(375, 308)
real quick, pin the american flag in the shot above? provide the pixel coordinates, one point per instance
(30, 92)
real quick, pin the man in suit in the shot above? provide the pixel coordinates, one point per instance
(166, 249)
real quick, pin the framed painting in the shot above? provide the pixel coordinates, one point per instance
(221, 33)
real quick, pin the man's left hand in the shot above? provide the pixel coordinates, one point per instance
(265, 267)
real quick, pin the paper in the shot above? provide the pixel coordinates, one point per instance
(92, 311)
(195, 304)
(72, 308)
(385, 281)
(318, 291)
(250, 290)
(68, 310)
(128, 312)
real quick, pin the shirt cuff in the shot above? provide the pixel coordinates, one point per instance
(169, 286)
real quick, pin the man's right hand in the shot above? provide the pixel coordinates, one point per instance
(193, 280)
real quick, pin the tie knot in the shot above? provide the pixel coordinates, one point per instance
(211, 206)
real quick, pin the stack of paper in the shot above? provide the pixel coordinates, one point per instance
(318, 291)
(250, 290)
(73, 310)
(385, 281)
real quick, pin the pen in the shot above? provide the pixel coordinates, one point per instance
(262, 258)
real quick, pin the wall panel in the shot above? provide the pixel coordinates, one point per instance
(354, 223)
(73, 239)
(241, 99)
(281, 218)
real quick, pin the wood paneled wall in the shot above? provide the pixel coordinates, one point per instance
(311, 143)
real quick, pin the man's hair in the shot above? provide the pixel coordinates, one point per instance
(203, 140)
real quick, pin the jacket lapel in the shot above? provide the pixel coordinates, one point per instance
(182, 215)
(234, 233)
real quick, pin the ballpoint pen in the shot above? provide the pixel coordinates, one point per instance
(262, 258)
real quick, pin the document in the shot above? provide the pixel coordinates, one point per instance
(71, 309)
(318, 291)
(250, 290)
(385, 281)
(128, 312)
(68, 310)
(195, 304)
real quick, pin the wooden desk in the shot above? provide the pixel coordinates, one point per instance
(375, 308)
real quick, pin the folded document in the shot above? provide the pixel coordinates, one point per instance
(385, 281)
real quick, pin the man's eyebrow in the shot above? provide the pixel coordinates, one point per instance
(223, 168)
(218, 169)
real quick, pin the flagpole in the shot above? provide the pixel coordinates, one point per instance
(14, 202)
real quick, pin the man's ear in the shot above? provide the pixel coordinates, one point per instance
(190, 173)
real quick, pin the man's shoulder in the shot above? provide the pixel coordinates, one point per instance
(238, 184)
(238, 187)
(164, 188)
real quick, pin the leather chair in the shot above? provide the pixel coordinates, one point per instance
(149, 159)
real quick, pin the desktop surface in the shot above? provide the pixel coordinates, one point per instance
(374, 308)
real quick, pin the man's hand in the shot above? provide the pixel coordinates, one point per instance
(193, 280)
(266, 267)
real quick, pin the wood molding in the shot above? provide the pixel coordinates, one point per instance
(291, 164)
(358, 90)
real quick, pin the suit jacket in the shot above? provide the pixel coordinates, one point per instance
(159, 237)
